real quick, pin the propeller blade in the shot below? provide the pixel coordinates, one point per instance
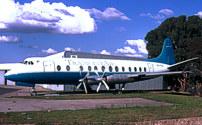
(98, 88)
(105, 85)
(97, 73)
(103, 75)
(84, 85)
(86, 75)
(79, 86)
(80, 72)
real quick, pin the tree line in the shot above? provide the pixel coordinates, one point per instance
(186, 35)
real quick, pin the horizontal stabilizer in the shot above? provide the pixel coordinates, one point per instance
(159, 74)
(182, 63)
(9, 66)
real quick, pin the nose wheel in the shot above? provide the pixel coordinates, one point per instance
(32, 92)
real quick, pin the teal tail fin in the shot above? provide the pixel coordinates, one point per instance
(167, 54)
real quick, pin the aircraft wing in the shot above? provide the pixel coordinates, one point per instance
(182, 63)
(9, 66)
(159, 74)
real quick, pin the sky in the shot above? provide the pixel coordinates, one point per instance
(39, 28)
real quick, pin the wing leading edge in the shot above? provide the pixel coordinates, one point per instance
(159, 74)
(182, 63)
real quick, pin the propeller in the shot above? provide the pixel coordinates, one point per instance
(80, 71)
(82, 81)
(102, 80)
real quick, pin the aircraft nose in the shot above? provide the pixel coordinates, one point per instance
(10, 76)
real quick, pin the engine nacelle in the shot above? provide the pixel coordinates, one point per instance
(92, 80)
(110, 79)
(119, 78)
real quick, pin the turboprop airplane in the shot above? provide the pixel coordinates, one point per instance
(87, 71)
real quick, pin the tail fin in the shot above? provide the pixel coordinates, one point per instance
(167, 54)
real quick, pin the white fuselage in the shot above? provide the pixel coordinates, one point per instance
(70, 70)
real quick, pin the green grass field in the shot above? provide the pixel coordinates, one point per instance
(189, 106)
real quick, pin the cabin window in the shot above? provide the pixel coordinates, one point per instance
(129, 68)
(145, 69)
(123, 69)
(103, 68)
(95, 67)
(110, 69)
(58, 68)
(116, 69)
(135, 69)
(81, 68)
(140, 69)
(73, 56)
(89, 68)
(67, 68)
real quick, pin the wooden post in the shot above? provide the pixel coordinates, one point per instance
(5, 80)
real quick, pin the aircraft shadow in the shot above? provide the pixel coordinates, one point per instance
(7, 90)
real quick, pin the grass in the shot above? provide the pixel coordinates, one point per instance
(189, 106)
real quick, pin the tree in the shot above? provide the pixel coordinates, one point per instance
(185, 34)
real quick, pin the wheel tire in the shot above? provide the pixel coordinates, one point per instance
(119, 92)
(33, 93)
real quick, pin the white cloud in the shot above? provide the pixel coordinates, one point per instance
(78, 50)
(120, 29)
(155, 17)
(102, 52)
(94, 51)
(199, 14)
(109, 14)
(69, 49)
(43, 17)
(135, 55)
(166, 12)
(105, 52)
(10, 39)
(139, 43)
(127, 49)
(72, 49)
(34, 47)
(49, 51)
(159, 22)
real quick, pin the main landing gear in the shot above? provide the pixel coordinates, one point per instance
(32, 92)
(119, 91)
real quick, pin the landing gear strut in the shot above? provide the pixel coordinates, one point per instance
(119, 91)
(32, 91)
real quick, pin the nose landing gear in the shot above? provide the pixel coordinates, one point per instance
(32, 92)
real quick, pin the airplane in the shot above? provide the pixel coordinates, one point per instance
(87, 71)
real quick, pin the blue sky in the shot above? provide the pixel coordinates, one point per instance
(43, 27)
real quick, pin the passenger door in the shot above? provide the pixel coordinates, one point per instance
(151, 67)
(49, 70)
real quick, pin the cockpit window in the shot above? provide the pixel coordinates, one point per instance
(28, 63)
(25, 62)
(31, 63)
